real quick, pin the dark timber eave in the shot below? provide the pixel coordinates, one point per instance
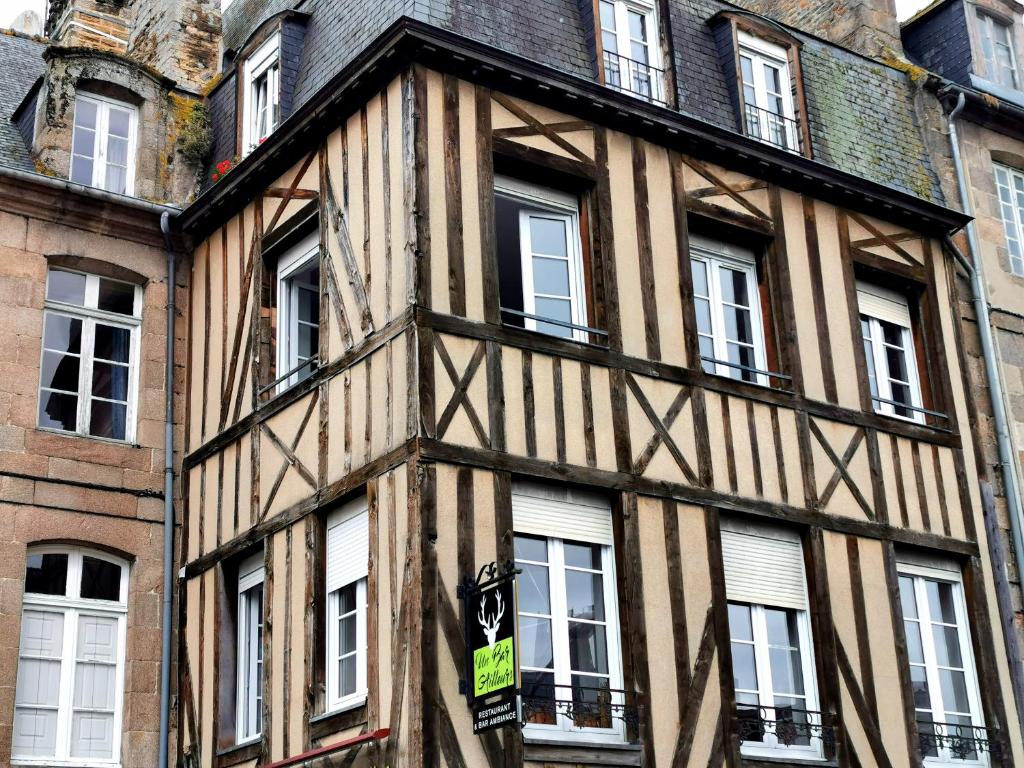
(410, 41)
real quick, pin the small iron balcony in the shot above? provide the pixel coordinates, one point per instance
(634, 77)
(772, 128)
(786, 727)
(958, 742)
(584, 707)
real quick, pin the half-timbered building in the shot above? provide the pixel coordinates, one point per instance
(648, 300)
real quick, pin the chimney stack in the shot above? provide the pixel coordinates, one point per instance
(866, 26)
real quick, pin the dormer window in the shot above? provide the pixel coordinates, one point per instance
(997, 50)
(261, 110)
(632, 54)
(767, 93)
(103, 144)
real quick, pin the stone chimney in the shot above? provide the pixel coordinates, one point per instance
(100, 24)
(178, 38)
(866, 26)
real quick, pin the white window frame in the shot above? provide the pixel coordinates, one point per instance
(265, 60)
(99, 158)
(565, 729)
(90, 314)
(761, 53)
(249, 691)
(628, 78)
(336, 700)
(921, 573)
(987, 29)
(880, 363)
(770, 747)
(548, 203)
(297, 258)
(72, 606)
(1010, 194)
(714, 254)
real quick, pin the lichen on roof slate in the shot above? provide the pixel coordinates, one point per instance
(21, 62)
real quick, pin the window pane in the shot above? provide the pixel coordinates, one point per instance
(535, 639)
(108, 420)
(914, 648)
(588, 651)
(947, 646)
(46, 574)
(117, 151)
(738, 325)
(556, 309)
(309, 300)
(85, 114)
(742, 356)
(347, 634)
(92, 735)
(117, 297)
(739, 622)
(782, 629)
(42, 634)
(81, 170)
(35, 732)
(703, 307)
(539, 698)
(530, 548)
(97, 639)
(68, 287)
(919, 686)
(551, 276)
(583, 555)
(926, 734)
(59, 372)
(744, 670)
(954, 690)
(57, 411)
(63, 333)
(591, 702)
(707, 350)
(347, 672)
(38, 682)
(940, 601)
(110, 381)
(118, 122)
(896, 360)
(548, 236)
(101, 579)
(607, 15)
(907, 599)
(534, 593)
(94, 686)
(84, 142)
(700, 277)
(734, 286)
(112, 343)
(584, 595)
(787, 673)
(346, 599)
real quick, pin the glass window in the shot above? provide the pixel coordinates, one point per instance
(89, 361)
(728, 310)
(1010, 188)
(889, 352)
(632, 58)
(249, 686)
(103, 144)
(540, 260)
(942, 675)
(997, 50)
(299, 312)
(68, 700)
(768, 110)
(262, 94)
(569, 638)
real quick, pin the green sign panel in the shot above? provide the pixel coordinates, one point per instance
(494, 668)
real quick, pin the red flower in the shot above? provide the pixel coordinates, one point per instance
(263, 139)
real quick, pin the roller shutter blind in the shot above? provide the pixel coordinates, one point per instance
(348, 544)
(883, 304)
(763, 566)
(561, 513)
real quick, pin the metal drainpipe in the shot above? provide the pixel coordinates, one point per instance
(975, 269)
(165, 639)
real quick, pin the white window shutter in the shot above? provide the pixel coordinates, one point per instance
(763, 566)
(348, 544)
(883, 304)
(250, 571)
(561, 513)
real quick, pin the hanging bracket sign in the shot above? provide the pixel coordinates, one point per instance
(492, 664)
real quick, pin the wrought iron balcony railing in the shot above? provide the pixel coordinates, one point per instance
(634, 77)
(772, 128)
(583, 707)
(958, 742)
(786, 727)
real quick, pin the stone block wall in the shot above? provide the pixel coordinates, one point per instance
(178, 38)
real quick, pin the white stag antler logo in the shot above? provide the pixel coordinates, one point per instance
(490, 623)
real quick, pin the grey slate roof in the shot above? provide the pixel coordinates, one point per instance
(21, 62)
(861, 113)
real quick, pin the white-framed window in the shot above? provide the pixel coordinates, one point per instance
(348, 558)
(947, 701)
(632, 53)
(249, 680)
(997, 50)
(1010, 187)
(103, 144)
(730, 326)
(770, 638)
(88, 372)
(70, 691)
(540, 256)
(889, 351)
(768, 110)
(298, 322)
(570, 663)
(262, 94)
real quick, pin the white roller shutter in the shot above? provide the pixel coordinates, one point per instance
(250, 571)
(561, 513)
(348, 544)
(763, 565)
(883, 304)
